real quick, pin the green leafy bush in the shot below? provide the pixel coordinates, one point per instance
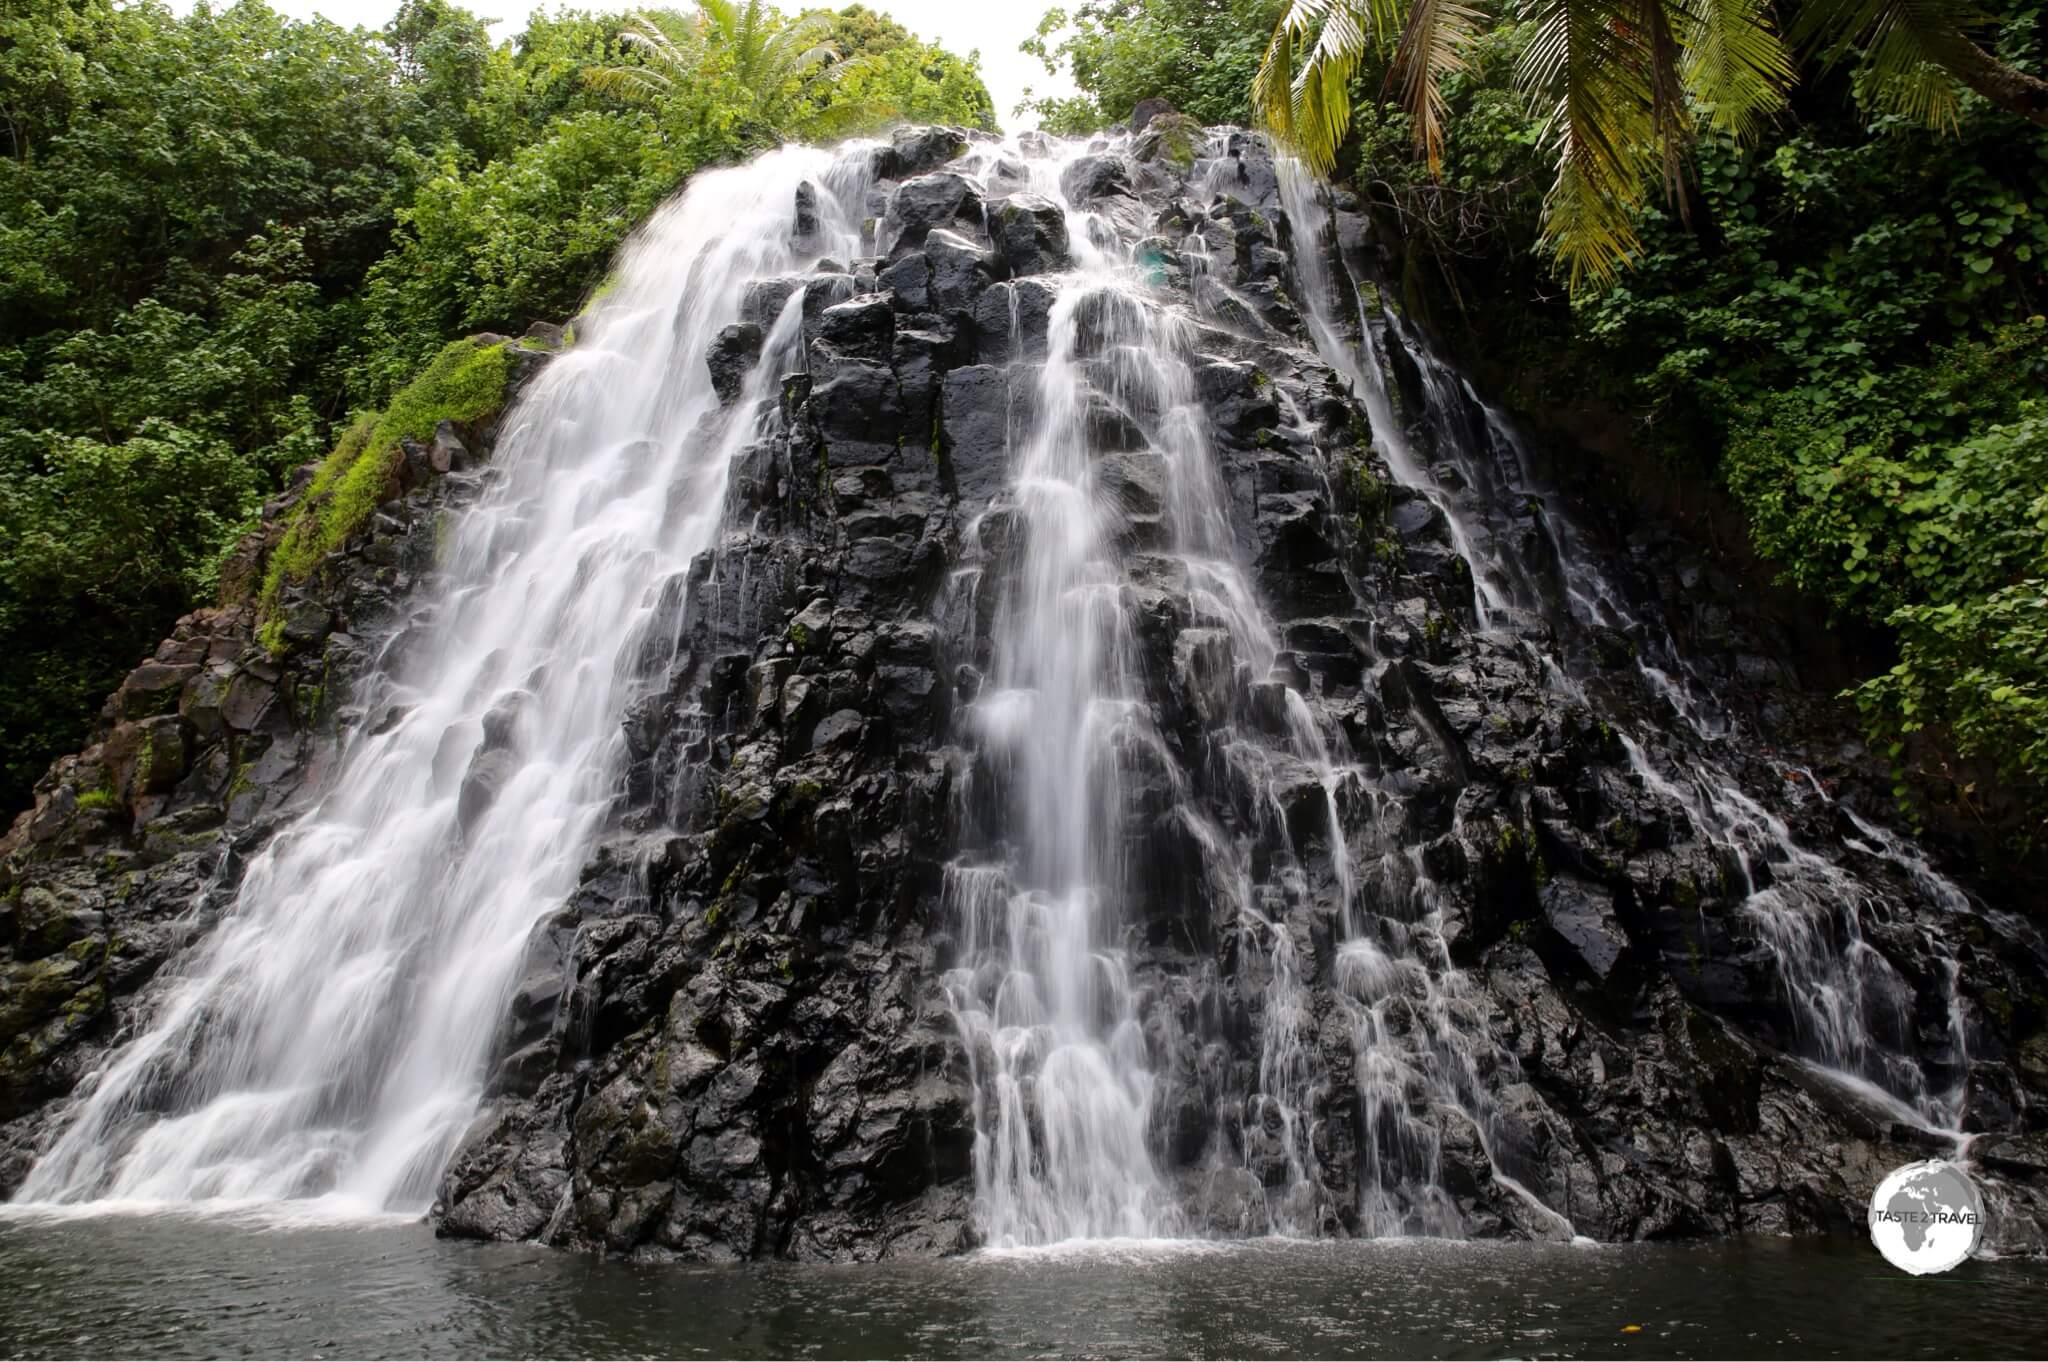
(1199, 54)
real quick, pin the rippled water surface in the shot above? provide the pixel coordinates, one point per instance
(160, 1285)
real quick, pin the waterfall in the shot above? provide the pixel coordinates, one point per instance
(1113, 479)
(1209, 938)
(1043, 993)
(1115, 483)
(330, 1039)
(1849, 1005)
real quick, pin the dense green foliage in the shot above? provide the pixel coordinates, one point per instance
(1849, 334)
(223, 233)
(1201, 54)
(1842, 328)
(1627, 86)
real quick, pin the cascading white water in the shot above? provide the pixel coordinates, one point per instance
(1850, 1006)
(1418, 1036)
(1042, 992)
(1042, 989)
(329, 1040)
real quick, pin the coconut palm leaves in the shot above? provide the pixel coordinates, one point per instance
(1302, 92)
(767, 52)
(1431, 47)
(1626, 83)
(775, 62)
(663, 61)
(1916, 55)
(1736, 67)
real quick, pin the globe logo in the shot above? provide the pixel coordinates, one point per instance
(1926, 1217)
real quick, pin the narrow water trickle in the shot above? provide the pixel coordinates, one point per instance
(1850, 1007)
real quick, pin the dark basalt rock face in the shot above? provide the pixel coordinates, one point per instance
(754, 1055)
(734, 1042)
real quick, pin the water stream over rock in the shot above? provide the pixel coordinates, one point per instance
(998, 695)
(331, 1038)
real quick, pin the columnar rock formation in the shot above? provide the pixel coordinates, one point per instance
(1422, 897)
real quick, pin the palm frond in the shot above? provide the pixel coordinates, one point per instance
(642, 31)
(1432, 46)
(1272, 100)
(635, 84)
(1910, 50)
(812, 58)
(1301, 94)
(1591, 60)
(722, 17)
(1736, 66)
(1898, 77)
(664, 61)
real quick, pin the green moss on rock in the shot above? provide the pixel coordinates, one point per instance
(464, 384)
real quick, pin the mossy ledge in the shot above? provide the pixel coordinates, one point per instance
(465, 384)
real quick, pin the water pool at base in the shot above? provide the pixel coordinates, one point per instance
(178, 1286)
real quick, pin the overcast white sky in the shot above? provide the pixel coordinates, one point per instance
(995, 27)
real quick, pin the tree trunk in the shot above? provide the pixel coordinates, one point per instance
(2006, 86)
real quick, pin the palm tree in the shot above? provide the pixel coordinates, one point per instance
(664, 61)
(774, 61)
(1628, 83)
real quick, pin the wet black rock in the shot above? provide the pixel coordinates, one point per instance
(919, 151)
(734, 352)
(1148, 109)
(1030, 234)
(978, 407)
(944, 199)
(862, 328)
(803, 228)
(1096, 177)
(959, 271)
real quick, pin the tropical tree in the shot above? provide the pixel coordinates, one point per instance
(775, 64)
(1627, 85)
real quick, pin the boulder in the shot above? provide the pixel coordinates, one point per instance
(146, 756)
(1030, 236)
(944, 199)
(1099, 176)
(863, 327)
(804, 224)
(919, 151)
(734, 352)
(1146, 110)
(959, 271)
